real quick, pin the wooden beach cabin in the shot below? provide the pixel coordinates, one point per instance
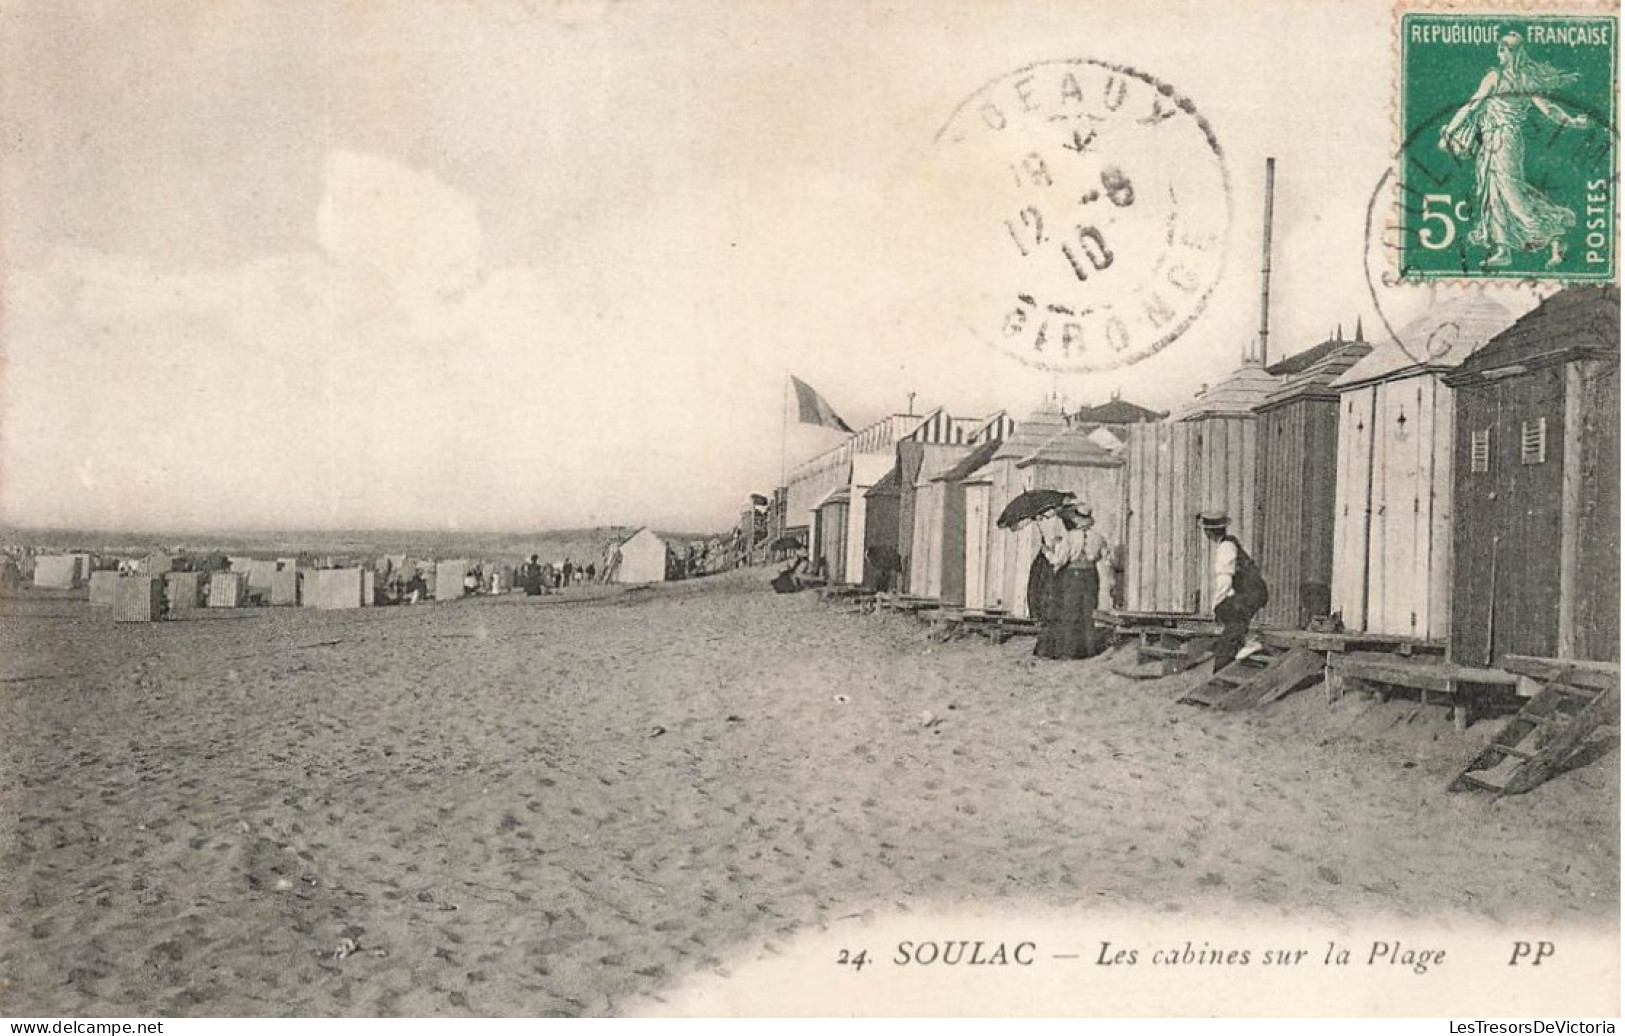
(448, 579)
(228, 589)
(989, 550)
(285, 586)
(1297, 488)
(183, 590)
(939, 443)
(880, 526)
(138, 598)
(830, 529)
(104, 588)
(1537, 486)
(335, 589)
(938, 563)
(1392, 539)
(58, 571)
(1072, 462)
(926, 527)
(1203, 458)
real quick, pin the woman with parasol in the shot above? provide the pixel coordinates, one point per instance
(1071, 550)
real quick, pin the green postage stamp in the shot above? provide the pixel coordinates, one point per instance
(1509, 146)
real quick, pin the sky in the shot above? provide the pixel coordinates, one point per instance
(511, 264)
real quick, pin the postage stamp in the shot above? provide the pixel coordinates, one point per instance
(1104, 210)
(1509, 150)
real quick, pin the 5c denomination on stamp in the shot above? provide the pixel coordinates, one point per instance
(1105, 213)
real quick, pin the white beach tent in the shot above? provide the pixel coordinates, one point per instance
(57, 571)
(643, 558)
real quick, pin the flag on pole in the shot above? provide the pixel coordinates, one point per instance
(814, 410)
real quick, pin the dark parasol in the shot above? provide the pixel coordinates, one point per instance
(1029, 504)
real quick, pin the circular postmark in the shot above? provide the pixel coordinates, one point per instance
(1095, 218)
(1426, 202)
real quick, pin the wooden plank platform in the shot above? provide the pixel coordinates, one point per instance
(1348, 641)
(1467, 690)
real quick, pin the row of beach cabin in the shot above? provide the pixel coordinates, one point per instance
(145, 589)
(1460, 489)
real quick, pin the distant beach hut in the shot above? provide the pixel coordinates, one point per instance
(260, 574)
(1393, 541)
(284, 590)
(228, 589)
(1537, 485)
(138, 598)
(938, 568)
(643, 558)
(1203, 458)
(1297, 452)
(183, 590)
(58, 571)
(104, 588)
(448, 579)
(333, 589)
(830, 528)
(880, 525)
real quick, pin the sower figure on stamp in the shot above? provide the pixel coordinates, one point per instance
(1513, 214)
(1238, 587)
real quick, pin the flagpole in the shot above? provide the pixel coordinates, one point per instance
(784, 428)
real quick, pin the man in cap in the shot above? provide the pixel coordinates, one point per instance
(1238, 587)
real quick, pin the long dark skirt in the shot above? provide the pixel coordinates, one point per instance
(1069, 621)
(1040, 588)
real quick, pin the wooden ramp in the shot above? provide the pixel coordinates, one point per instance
(1572, 702)
(1266, 675)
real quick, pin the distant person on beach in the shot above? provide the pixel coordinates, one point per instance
(569, 572)
(1239, 590)
(1074, 550)
(417, 588)
(789, 580)
(882, 565)
(592, 572)
(530, 577)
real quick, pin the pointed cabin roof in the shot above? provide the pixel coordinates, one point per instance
(839, 495)
(1038, 428)
(1333, 358)
(977, 459)
(1437, 341)
(890, 485)
(1071, 447)
(1238, 394)
(940, 459)
(1576, 323)
(1117, 411)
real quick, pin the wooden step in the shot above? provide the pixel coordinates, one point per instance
(1562, 732)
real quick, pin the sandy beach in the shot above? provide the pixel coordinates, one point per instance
(573, 804)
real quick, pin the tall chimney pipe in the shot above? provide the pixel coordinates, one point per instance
(1264, 299)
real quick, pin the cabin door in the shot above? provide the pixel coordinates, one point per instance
(976, 524)
(1509, 458)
